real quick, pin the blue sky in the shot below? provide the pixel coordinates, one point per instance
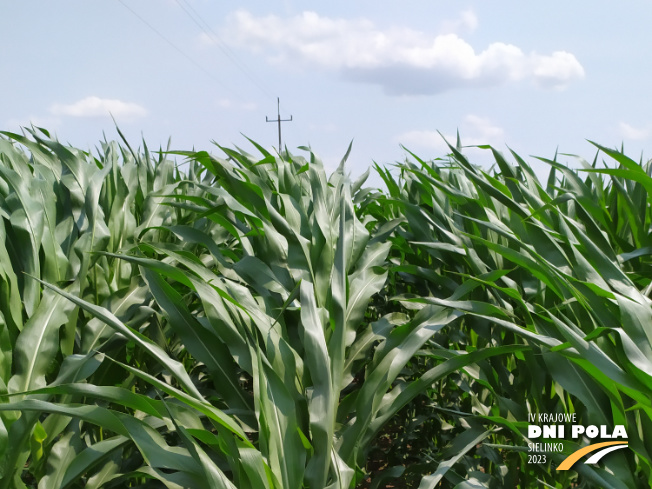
(533, 77)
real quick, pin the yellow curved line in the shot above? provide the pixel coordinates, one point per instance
(575, 456)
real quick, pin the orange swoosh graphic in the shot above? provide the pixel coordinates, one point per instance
(575, 456)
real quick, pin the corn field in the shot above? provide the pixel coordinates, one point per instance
(176, 319)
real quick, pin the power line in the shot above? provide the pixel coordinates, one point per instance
(210, 32)
(179, 50)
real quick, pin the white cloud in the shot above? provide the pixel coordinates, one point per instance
(483, 130)
(467, 21)
(556, 71)
(636, 133)
(474, 131)
(226, 103)
(401, 60)
(100, 107)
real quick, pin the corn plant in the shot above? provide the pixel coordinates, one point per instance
(59, 205)
(561, 268)
(250, 322)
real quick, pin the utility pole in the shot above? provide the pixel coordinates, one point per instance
(279, 120)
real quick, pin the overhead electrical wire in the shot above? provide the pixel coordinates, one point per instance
(212, 35)
(206, 28)
(179, 50)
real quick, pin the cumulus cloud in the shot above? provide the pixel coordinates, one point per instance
(635, 133)
(99, 107)
(227, 103)
(484, 129)
(474, 130)
(467, 21)
(401, 60)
